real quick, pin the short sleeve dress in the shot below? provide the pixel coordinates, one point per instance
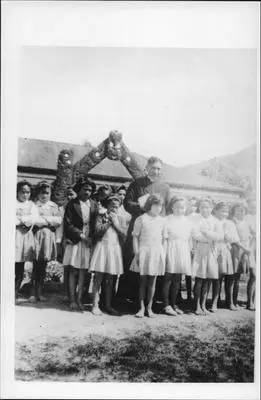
(150, 232)
(205, 265)
(179, 231)
(224, 247)
(78, 255)
(26, 215)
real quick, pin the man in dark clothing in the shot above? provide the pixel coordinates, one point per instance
(137, 193)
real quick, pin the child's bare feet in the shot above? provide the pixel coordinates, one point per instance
(140, 313)
(199, 311)
(150, 313)
(32, 299)
(233, 308)
(96, 311)
(213, 309)
(204, 311)
(80, 306)
(73, 306)
(41, 298)
(251, 308)
(168, 310)
(178, 310)
(112, 311)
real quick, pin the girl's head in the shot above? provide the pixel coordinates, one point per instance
(70, 193)
(84, 188)
(205, 207)
(238, 211)
(221, 210)
(112, 202)
(153, 204)
(43, 191)
(178, 206)
(122, 192)
(103, 192)
(23, 191)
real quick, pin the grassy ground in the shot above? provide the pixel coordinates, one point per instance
(57, 345)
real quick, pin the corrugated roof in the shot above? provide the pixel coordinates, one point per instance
(44, 154)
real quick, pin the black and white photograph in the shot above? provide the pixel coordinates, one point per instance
(130, 198)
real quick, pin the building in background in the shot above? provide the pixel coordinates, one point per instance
(37, 160)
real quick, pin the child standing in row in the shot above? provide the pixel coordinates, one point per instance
(178, 260)
(106, 262)
(79, 220)
(241, 253)
(26, 215)
(224, 247)
(205, 267)
(48, 220)
(149, 243)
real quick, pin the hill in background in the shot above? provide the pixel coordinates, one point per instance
(237, 169)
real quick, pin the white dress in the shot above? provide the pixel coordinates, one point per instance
(46, 224)
(205, 265)
(78, 255)
(26, 216)
(178, 260)
(150, 232)
(107, 253)
(225, 262)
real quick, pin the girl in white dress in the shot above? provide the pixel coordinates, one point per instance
(26, 215)
(149, 243)
(241, 254)
(106, 261)
(225, 262)
(48, 220)
(178, 260)
(206, 233)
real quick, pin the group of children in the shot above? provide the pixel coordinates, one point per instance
(214, 244)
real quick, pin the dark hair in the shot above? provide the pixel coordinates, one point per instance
(174, 200)
(82, 181)
(153, 160)
(41, 186)
(205, 199)
(21, 184)
(152, 199)
(122, 187)
(219, 205)
(106, 201)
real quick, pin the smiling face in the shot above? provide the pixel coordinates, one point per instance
(240, 213)
(155, 209)
(44, 195)
(114, 205)
(205, 209)
(222, 213)
(122, 193)
(24, 193)
(154, 170)
(85, 192)
(179, 208)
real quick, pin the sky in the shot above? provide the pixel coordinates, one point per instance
(183, 105)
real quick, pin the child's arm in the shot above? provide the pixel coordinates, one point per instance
(136, 246)
(102, 223)
(136, 233)
(55, 219)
